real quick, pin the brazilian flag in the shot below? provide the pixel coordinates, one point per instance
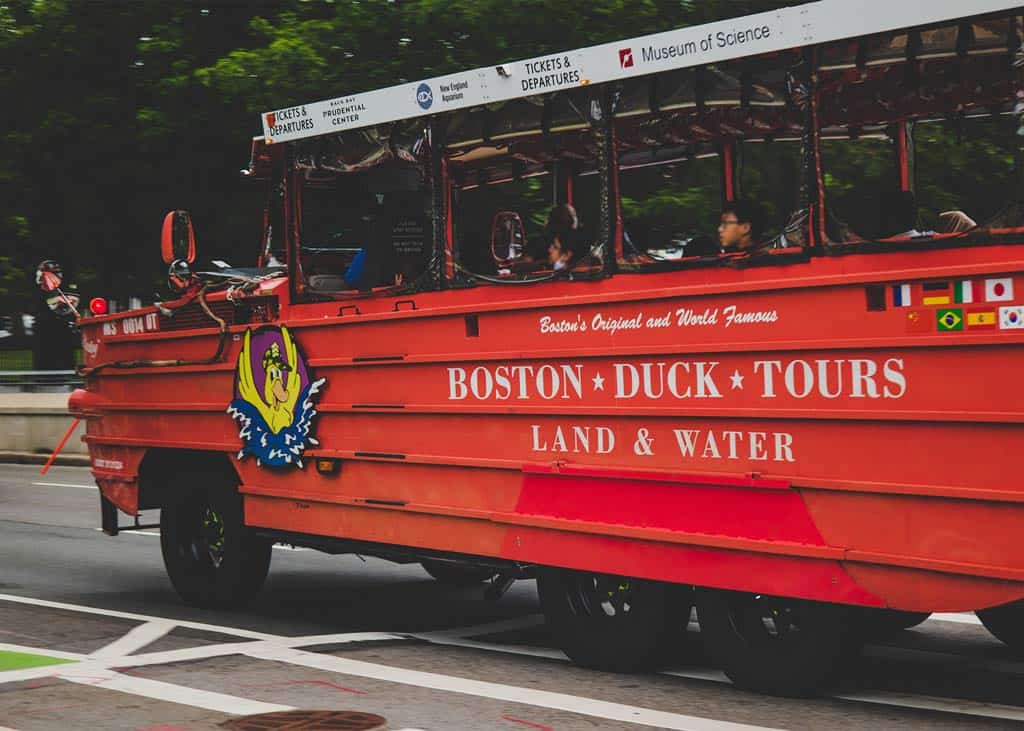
(950, 319)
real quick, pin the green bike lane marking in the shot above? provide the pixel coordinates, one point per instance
(22, 660)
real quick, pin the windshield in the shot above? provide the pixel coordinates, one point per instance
(363, 231)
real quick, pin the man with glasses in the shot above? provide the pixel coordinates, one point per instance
(739, 228)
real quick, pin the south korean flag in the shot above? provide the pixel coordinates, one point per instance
(1011, 318)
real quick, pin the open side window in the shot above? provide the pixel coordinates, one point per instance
(920, 138)
(364, 224)
(518, 169)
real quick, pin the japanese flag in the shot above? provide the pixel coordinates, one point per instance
(999, 290)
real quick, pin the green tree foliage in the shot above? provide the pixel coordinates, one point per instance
(117, 112)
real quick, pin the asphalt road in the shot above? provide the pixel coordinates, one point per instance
(333, 633)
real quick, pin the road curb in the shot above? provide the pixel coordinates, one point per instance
(66, 460)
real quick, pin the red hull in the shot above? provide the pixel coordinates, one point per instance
(758, 429)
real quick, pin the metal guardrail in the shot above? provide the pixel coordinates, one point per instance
(38, 381)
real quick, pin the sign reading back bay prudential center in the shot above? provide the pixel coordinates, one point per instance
(800, 25)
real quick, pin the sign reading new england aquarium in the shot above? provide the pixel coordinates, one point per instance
(275, 398)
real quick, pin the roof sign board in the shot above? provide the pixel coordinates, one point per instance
(801, 25)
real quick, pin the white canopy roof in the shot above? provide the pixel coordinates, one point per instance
(801, 25)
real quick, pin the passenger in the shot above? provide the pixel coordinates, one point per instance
(563, 236)
(702, 245)
(559, 255)
(740, 228)
(356, 270)
(564, 243)
(955, 222)
(899, 216)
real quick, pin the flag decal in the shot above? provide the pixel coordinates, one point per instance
(1011, 318)
(999, 290)
(949, 319)
(981, 318)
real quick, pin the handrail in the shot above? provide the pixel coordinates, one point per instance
(31, 381)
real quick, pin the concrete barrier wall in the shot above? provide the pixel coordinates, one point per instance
(36, 422)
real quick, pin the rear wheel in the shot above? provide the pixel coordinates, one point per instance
(776, 645)
(212, 559)
(613, 622)
(1006, 623)
(457, 574)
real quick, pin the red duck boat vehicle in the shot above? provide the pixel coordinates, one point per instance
(676, 321)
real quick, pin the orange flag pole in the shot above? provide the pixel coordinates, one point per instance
(59, 447)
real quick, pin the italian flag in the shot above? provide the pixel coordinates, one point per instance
(964, 292)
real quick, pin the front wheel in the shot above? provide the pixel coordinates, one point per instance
(775, 645)
(613, 623)
(1006, 623)
(212, 559)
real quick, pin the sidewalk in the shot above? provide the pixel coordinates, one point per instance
(34, 403)
(32, 425)
(65, 460)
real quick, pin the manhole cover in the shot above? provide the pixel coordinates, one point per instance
(303, 720)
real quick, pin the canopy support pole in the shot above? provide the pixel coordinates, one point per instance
(610, 229)
(443, 258)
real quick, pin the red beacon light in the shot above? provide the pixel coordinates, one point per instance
(98, 306)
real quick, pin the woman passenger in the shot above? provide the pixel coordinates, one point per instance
(563, 237)
(559, 248)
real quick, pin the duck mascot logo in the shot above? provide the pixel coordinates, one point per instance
(275, 399)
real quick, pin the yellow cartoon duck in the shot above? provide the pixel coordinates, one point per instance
(280, 391)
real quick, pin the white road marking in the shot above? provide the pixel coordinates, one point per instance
(156, 534)
(96, 675)
(901, 700)
(961, 662)
(931, 703)
(64, 484)
(504, 625)
(96, 669)
(191, 654)
(959, 618)
(7, 647)
(715, 676)
(497, 691)
(16, 676)
(135, 639)
(234, 631)
(524, 650)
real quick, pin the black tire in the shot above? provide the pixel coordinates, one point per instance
(614, 623)
(1006, 623)
(212, 559)
(457, 574)
(778, 646)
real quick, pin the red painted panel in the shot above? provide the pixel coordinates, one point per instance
(728, 511)
(960, 531)
(924, 591)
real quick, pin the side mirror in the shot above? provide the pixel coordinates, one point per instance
(180, 277)
(508, 238)
(178, 239)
